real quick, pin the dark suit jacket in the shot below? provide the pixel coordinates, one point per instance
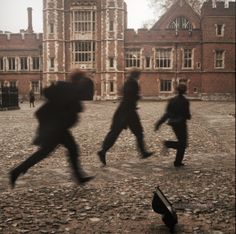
(177, 111)
(128, 104)
(59, 113)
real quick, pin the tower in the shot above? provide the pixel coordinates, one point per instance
(53, 41)
(111, 45)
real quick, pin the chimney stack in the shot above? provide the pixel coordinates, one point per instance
(30, 27)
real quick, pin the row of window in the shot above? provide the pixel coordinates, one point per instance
(182, 23)
(34, 85)
(84, 21)
(165, 85)
(163, 58)
(19, 63)
(84, 52)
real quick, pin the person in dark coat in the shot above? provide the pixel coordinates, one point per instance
(56, 117)
(177, 113)
(31, 98)
(126, 116)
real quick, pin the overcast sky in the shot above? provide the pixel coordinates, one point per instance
(13, 14)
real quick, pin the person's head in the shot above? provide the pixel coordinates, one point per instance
(83, 83)
(76, 75)
(181, 88)
(135, 74)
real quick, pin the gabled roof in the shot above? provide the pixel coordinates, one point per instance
(179, 8)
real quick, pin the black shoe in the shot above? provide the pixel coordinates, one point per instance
(85, 179)
(179, 164)
(102, 157)
(13, 177)
(146, 155)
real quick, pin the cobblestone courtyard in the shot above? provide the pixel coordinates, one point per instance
(118, 200)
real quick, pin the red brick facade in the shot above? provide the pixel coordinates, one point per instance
(182, 46)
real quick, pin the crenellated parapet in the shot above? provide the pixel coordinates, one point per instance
(20, 40)
(218, 9)
(162, 35)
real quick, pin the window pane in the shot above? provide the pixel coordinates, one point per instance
(132, 58)
(165, 86)
(163, 58)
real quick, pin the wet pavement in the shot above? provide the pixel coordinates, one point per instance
(118, 200)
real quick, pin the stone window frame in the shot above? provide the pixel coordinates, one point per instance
(84, 52)
(111, 26)
(184, 59)
(133, 58)
(51, 28)
(35, 65)
(11, 63)
(222, 30)
(83, 20)
(111, 62)
(148, 60)
(111, 86)
(164, 58)
(222, 59)
(165, 85)
(24, 63)
(180, 23)
(2, 63)
(35, 88)
(51, 63)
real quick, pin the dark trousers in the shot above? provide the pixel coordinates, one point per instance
(180, 131)
(31, 103)
(65, 139)
(133, 123)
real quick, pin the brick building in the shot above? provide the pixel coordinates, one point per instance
(182, 46)
(21, 59)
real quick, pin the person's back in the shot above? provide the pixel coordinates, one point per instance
(62, 106)
(126, 116)
(131, 91)
(55, 117)
(178, 109)
(177, 112)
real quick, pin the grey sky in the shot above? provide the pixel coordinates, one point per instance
(13, 14)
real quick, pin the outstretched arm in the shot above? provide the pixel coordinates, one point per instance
(161, 121)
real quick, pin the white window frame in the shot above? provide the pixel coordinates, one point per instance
(186, 58)
(35, 63)
(181, 23)
(164, 55)
(83, 20)
(24, 64)
(12, 66)
(222, 59)
(149, 62)
(133, 58)
(84, 52)
(222, 30)
(168, 84)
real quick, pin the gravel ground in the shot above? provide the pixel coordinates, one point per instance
(118, 200)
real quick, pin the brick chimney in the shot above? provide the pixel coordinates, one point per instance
(30, 27)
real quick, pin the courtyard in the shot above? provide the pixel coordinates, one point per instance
(118, 200)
